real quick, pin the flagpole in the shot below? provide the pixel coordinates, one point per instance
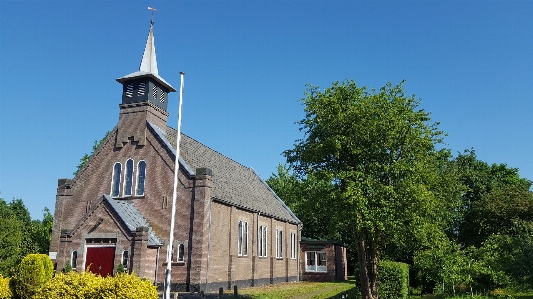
(168, 272)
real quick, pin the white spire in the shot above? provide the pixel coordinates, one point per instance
(149, 61)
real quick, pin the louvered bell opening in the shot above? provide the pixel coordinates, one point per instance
(162, 97)
(142, 88)
(129, 90)
(154, 92)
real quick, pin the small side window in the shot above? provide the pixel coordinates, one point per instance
(181, 252)
(125, 258)
(74, 259)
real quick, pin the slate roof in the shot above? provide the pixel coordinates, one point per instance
(233, 183)
(129, 214)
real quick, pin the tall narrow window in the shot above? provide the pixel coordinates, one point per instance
(293, 245)
(115, 185)
(128, 178)
(279, 243)
(262, 242)
(141, 175)
(243, 238)
(125, 257)
(181, 251)
(74, 259)
(239, 243)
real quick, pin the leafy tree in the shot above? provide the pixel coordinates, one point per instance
(86, 157)
(20, 235)
(480, 180)
(379, 150)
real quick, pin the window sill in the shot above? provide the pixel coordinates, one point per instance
(129, 197)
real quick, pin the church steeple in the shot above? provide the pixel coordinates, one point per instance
(146, 85)
(144, 98)
(149, 61)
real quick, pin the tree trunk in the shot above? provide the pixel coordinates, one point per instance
(373, 268)
(364, 279)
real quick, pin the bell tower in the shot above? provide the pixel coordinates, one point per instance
(144, 97)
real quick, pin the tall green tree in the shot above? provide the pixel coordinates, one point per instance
(379, 149)
(20, 235)
(485, 184)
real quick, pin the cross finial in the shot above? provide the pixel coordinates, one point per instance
(152, 20)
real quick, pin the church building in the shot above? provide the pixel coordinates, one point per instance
(231, 228)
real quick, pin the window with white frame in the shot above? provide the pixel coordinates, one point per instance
(293, 246)
(141, 176)
(74, 259)
(243, 238)
(125, 259)
(177, 253)
(262, 241)
(115, 184)
(279, 243)
(315, 261)
(128, 178)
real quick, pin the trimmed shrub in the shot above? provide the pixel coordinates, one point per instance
(31, 274)
(128, 286)
(72, 285)
(393, 280)
(5, 291)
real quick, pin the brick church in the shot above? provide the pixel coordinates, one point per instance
(231, 228)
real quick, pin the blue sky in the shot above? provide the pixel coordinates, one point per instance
(246, 64)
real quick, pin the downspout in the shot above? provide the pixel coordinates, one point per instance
(157, 265)
(208, 247)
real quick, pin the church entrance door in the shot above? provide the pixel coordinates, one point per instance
(101, 260)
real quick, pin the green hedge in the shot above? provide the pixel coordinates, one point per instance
(393, 280)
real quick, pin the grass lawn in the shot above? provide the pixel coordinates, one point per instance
(302, 290)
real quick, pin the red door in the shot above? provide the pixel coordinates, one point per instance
(101, 260)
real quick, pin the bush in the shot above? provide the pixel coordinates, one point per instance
(67, 268)
(31, 274)
(128, 286)
(393, 280)
(73, 285)
(5, 291)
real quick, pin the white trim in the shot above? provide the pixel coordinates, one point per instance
(137, 177)
(125, 178)
(72, 260)
(113, 180)
(127, 260)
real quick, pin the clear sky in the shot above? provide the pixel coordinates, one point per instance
(247, 64)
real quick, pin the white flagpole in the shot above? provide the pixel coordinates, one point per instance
(174, 195)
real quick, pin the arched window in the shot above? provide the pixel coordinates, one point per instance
(141, 176)
(74, 259)
(125, 258)
(128, 178)
(115, 185)
(181, 249)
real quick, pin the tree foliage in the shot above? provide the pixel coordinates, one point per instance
(20, 235)
(379, 151)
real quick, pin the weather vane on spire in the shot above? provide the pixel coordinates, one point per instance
(152, 9)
